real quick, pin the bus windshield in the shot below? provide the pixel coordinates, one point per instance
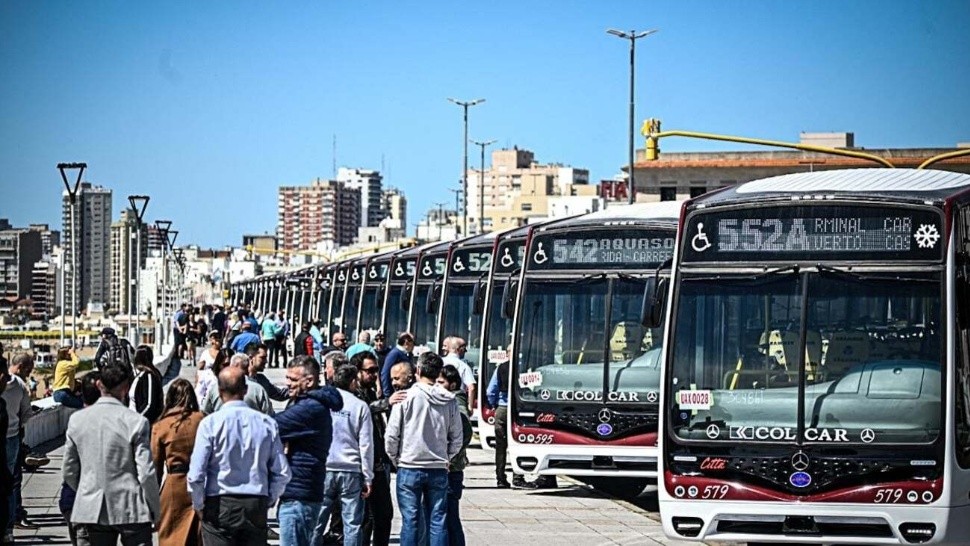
(583, 342)
(396, 320)
(459, 320)
(370, 309)
(871, 369)
(350, 312)
(424, 322)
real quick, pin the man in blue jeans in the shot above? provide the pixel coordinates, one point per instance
(350, 464)
(423, 434)
(305, 427)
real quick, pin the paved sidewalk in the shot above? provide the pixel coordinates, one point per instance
(574, 513)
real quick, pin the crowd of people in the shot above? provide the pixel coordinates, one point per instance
(204, 463)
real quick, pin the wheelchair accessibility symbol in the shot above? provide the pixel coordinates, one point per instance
(700, 243)
(507, 260)
(459, 266)
(540, 256)
(373, 273)
(399, 270)
(426, 270)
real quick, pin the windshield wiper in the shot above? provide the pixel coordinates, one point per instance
(838, 272)
(770, 275)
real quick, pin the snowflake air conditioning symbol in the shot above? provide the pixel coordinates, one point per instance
(926, 236)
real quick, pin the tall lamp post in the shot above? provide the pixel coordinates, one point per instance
(163, 226)
(72, 194)
(481, 187)
(138, 205)
(464, 172)
(173, 235)
(633, 36)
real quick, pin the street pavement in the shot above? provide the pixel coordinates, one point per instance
(574, 513)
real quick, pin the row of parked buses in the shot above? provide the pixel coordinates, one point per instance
(788, 358)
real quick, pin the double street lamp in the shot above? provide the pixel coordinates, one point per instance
(633, 36)
(72, 191)
(138, 205)
(464, 172)
(481, 187)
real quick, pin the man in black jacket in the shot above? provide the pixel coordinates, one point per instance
(303, 344)
(379, 510)
(305, 427)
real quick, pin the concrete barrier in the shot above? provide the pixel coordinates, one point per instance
(47, 424)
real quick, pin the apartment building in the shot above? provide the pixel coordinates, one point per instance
(92, 226)
(325, 214)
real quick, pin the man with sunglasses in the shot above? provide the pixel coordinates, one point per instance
(378, 510)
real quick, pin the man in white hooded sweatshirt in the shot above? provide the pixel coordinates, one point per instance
(423, 434)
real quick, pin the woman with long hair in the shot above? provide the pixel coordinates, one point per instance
(145, 393)
(64, 374)
(173, 438)
(208, 357)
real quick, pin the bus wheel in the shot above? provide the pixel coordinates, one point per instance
(624, 488)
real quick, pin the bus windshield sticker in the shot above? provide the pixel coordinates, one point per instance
(787, 434)
(570, 251)
(497, 356)
(530, 380)
(814, 232)
(694, 399)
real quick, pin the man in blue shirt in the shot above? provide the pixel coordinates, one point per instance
(244, 338)
(238, 468)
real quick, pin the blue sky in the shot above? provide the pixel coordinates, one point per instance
(210, 106)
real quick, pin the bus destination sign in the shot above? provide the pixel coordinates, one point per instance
(470, 262)
(404, 269)
(589, 251)
(432, 266)
(820, 232)
(509, 257)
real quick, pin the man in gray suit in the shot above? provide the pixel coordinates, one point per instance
(108, 462)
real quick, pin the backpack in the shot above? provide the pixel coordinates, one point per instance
(119, 351)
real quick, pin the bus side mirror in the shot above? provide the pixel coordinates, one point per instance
(509, 294)
(478, 298)
(654, 299)
(406, 298)
(431, 302)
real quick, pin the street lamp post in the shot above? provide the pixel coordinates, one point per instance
(481, 187)
(438, 219)
(163, 227)
(72, 194)
(633, 36)
(173, 235)
(138, 205)
(464, 172)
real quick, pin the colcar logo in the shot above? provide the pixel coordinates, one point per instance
(604, 415)
(800, 461)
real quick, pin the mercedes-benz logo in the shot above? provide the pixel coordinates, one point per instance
(713, 431)
(652, 397)
(867, 435)
(604, 415)
(545, 394)
(800, 461)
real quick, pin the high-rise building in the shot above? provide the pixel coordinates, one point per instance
(44, 288)
(395, 207)
(124, 265)
(324, 214)
(156, 240)
(20, 249)
(517, 189)
(368, 183)
(92, 225)
(49, 238)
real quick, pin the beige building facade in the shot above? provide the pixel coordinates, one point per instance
(324, 214)
(517, 189)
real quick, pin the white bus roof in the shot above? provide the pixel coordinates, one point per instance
(859, 181)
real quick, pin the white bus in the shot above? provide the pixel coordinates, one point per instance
(816, 383)
(585, 375)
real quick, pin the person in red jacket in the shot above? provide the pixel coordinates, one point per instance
(303, 344)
